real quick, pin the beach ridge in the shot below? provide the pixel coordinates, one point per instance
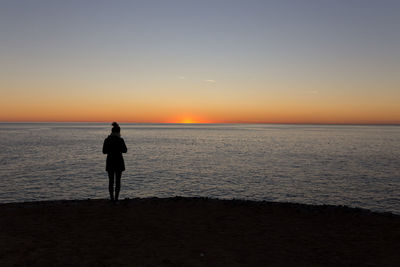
(186, 231)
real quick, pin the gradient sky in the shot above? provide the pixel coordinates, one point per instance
(200, 61)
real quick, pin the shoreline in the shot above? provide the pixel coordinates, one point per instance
(183, 231)
(233, 200)
(238, 200)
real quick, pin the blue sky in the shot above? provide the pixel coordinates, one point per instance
(246, 50)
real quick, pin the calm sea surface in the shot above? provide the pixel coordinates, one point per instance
(358, 166)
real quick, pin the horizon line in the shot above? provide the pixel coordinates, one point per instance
(197, 123)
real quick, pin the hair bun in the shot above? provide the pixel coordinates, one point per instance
(114, 124)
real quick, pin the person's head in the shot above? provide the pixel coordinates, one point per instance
(115, 129)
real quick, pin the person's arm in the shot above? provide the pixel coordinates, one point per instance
(124, 149)
(105, 147)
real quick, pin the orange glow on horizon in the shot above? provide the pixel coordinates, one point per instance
(276, 118)
(126, 111)
(188, 119)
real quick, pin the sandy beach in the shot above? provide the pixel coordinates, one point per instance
(195, 232)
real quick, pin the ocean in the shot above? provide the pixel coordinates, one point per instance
(357, 166)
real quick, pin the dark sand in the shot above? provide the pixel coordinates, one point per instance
(195, 232)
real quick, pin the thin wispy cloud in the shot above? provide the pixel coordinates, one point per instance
(181, 77)
(210, 81)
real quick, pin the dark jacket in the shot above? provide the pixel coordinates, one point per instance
(114, 146)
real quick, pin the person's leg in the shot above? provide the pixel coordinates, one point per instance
(111, 184)
(118, 175)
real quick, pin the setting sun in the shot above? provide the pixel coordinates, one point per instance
(187, 120)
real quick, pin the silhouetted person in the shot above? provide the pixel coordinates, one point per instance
(114, 146)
